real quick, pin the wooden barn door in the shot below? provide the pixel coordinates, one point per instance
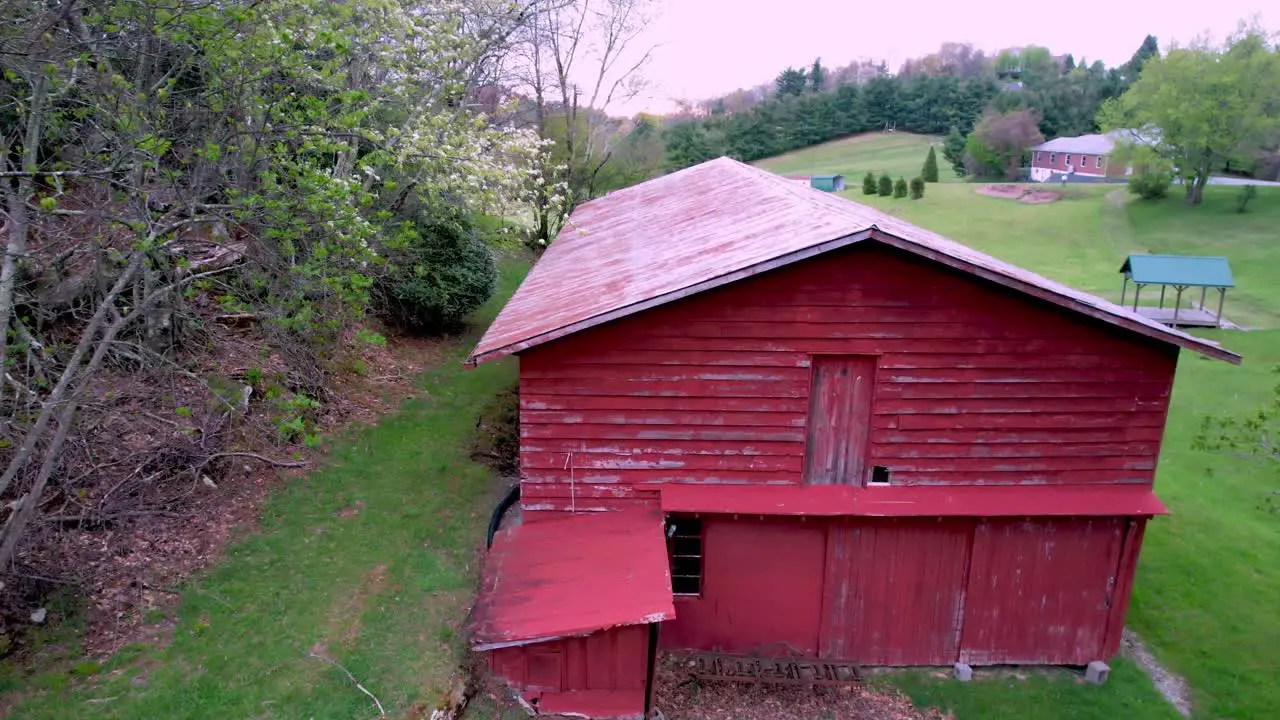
(895, 590)
(839, 424)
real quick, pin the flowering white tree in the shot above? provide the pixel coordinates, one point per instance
(148, 146)
(575, 60)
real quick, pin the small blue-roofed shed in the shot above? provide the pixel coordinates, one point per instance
(829, 183)
(1181, 272)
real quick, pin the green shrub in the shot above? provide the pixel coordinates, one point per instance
(439, 270)
(900, 188)
(869, 184)
(1244, 195)
(917, 188)
(930, 171)
(885, 188)
(1151, 182)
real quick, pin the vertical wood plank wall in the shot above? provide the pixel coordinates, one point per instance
(912, 591)
(839, 420)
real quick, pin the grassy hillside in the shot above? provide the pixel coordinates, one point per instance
(899, 154)
(1082, 239)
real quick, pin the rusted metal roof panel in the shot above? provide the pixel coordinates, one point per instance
(721, 221)
(572, 576)
(913, 501)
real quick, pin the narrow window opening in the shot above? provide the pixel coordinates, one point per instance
(684, 549)
(879, 475)
(1097, 162)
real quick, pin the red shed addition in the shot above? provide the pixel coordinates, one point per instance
(761, 419)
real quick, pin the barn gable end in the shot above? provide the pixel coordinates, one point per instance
(976, 384)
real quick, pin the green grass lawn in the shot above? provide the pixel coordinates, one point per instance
(899, 154)
(369, 561)
(1082, 239)
(1027, 694)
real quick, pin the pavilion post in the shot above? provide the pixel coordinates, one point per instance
(1162, 289)
(1177, 304)
(1137, 289)
(1203, 290)
(1222, 297)
(1124, 287)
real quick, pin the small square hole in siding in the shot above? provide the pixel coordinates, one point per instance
(879, 475)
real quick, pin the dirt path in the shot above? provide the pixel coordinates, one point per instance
(1171, 686)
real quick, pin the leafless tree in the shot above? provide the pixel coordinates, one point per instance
(576, 60)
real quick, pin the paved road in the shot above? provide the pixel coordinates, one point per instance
(1241, 181)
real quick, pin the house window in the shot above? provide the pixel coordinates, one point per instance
(1067, 161)
(879, 475)
(684, 549)
(1097, 162)
(1037, 156)
(1053, 158)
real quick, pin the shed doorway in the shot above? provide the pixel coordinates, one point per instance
(838, 429)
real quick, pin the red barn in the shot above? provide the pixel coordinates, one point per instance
(760, 419)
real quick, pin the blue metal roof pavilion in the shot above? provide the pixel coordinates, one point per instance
(1180, 272)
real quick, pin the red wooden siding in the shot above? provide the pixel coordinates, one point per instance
(1041, 590)
(600, 675)
(839, 419)
(895, 591)
(974, 385)
(917, 591)
(761, 589)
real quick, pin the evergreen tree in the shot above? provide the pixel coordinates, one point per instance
(686, 144)
(953, 150)
(900, 188)
(791, 81)
(1150, 48)
(869, 184)
(917, 188)
(930, 171)
(817, 76)
(885, 187)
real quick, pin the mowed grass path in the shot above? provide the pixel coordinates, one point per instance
(369, 561)
(900, 154)
(1207, 599)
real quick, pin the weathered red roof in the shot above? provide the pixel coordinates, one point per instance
(722, 221)
(913, 501)
(572, 576)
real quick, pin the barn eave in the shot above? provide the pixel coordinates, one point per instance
(1202, 346)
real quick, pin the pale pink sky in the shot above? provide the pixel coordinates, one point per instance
(709, 47)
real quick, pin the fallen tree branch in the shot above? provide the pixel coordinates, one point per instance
(381, 712)
(94, 520)
(256, 456)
